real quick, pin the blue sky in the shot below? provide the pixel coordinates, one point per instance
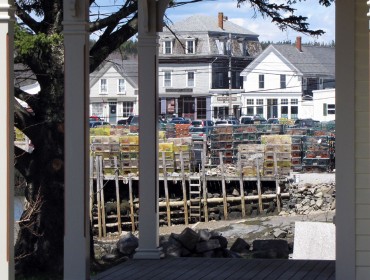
(318, 17)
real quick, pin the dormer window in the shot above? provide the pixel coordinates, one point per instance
(167, 47)
(190, 46)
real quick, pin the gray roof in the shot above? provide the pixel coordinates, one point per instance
(127, 68)
(203, 23)
(313, 60)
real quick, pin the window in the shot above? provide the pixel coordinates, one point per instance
(328, 109)
(167, 79)
(220, 79)
(103, 86)
(294, 109)
(259, 107)
(167, 47)
(127, 108)
(293, 101)
(190, 47)
(261, 81)
(283, 81)
(321, 83)
(121, 86)
(201, 108)
(250, 108)
(304, 84)
(331, 109)
(97, 109)
(190, 79)
(238, 82)
(284, 108)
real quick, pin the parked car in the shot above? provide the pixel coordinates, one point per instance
(306, 123)
(225, 122)
(179, 120)
(125, 121)
(198, 133)
(94, 124)
(234, 119)
(273, 121)
(252, 120)
(202, 123)
(95, 118)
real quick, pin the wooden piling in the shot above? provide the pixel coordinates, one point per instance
(241, 184)
(165, 183)
(259, 191)
(102, 196)
(278, 202)
(223, 186)
(186, 216)
(98, 187)
(131, 202)
(119, 222)
(204, 186)
(91, 195)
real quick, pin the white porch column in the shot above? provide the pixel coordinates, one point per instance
(76, 99)
(6, 141)
(150, 22)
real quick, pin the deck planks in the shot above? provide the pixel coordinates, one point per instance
(220, 269)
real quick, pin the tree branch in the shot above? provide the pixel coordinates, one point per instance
(31, 99)
(27, 19)
(22, 162)
(104, 46)
(25, 121)
(114, 18)
(276, 11)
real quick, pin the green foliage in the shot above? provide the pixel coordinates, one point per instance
(265, 44)
(26, 42)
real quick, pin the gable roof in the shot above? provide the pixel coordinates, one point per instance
(203, 23)
(127, 68)
(312, 61)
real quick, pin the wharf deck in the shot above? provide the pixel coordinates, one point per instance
(220, 269)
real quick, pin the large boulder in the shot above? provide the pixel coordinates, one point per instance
(127, 244)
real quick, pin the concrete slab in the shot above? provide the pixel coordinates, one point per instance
(314, 241)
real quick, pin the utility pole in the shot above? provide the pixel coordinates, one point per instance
(230, 80)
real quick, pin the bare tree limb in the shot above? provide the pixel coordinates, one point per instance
(31, 99)
(27, 19)
(115, 18)
(22, 162)
(103, 47)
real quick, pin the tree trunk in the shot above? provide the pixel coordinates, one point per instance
(39, 245)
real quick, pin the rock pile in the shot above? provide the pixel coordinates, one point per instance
(309, 198)
(189, 243)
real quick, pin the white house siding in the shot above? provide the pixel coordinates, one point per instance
(322, 99)
(179, 85)
(362, 139)
(112, 95)
(272, 67)
(179, 80)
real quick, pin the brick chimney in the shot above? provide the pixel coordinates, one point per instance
(298, 43)
(221, 20)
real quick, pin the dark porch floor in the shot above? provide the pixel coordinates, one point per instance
(220, 269)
